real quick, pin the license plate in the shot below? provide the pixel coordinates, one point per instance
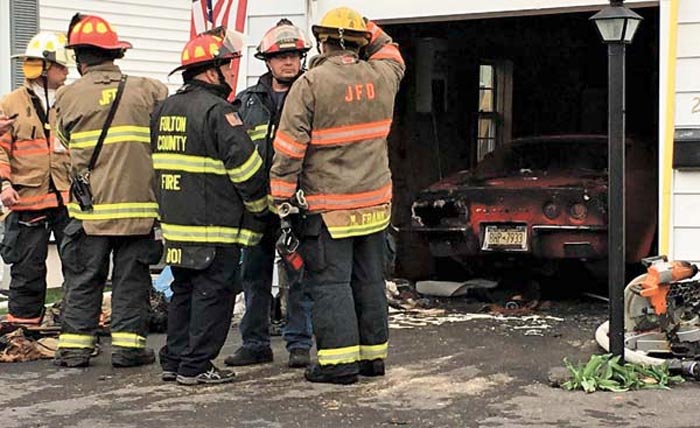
(505, 238)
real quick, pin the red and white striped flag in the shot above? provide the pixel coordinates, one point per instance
(208, 14)
(230, 14)
(201, 17)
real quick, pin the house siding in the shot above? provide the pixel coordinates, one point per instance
(685, 222)
(158, 29)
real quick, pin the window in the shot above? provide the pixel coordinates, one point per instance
(24, 24)
(488, 116)
(495, 106)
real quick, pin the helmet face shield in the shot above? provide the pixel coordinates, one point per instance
(214, 47)
(232, 45)
(282, 38)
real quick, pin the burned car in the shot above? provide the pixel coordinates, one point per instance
(543, 197)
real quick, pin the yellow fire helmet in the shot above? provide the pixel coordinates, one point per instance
(45, 46)
(342, 24)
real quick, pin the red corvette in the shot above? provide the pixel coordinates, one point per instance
(545, 197)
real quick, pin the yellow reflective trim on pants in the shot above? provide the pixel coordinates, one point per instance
(76, 341)
(256, 206)
(115, 211)
(116, 134)
(346, 355)
(188, 163)
(247, 169)
(338, 232)
(128, 340)
(258, 133)
(373, 352)
(210, 234)
(271, 205)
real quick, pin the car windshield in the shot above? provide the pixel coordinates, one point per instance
(526, 156)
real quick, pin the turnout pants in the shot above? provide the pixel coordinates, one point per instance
(346, 281)
(258, 265)
(25, 246)
(199, 313)
(87, 266)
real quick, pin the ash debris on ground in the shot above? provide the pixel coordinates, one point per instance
(507, 311)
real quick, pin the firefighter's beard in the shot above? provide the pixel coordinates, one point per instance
(287, 81)
(223, 83)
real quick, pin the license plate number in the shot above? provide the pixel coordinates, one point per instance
(505, 238)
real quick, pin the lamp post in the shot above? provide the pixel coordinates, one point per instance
(617, 26)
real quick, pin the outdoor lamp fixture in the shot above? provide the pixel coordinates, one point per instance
(617, 26)
(616, 23)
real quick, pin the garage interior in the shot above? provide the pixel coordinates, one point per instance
(472, 84)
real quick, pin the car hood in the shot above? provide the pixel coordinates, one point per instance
(525, 180)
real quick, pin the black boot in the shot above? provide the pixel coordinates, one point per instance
(72, 357)
(246, 357)
(299, 358)
(132, 357)
(335, 374)
(372, 368)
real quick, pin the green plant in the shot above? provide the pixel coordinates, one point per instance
(53, 295)
(604, 372)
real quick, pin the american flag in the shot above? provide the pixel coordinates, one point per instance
(208, 14)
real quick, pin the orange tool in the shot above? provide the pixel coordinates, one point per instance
(660, 273)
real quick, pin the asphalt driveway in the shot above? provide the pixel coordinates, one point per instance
(449, 370)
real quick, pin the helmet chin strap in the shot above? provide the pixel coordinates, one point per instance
(78, 64)
(286, 82)
(222, 79)
(45, 83)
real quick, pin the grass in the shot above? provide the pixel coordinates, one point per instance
(53, 295)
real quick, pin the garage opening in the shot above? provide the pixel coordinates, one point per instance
(474, 85)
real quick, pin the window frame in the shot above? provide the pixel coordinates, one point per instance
(24, 24)
(501, 114)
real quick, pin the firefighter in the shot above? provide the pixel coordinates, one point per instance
(113, 206)
(283, 49)
(211, 185)
(331, 144)
(34, 172)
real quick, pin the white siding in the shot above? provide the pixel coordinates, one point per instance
(687, 71)
(689, 31)
(686, 184)
(687, 209)
(262, 15)
(688, 109)
(689, 11)
(686, 244)
(411, 10)
(158, 29)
